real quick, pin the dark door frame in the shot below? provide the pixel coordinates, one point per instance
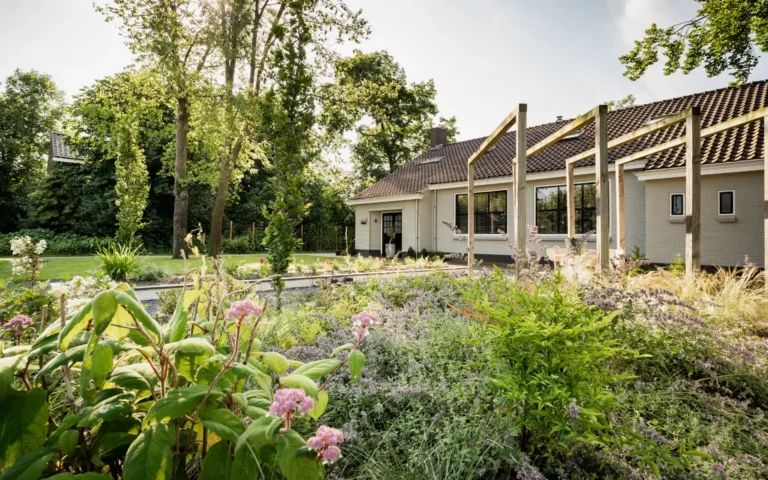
(386, 223)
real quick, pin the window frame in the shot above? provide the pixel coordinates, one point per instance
(497, 235)
(565, 186)
(733, 203)
(675, 215)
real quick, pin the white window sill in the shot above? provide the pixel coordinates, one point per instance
(677, 219)
(726, 218)
(564, 236)
(482, 236)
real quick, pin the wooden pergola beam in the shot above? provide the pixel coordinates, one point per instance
(573, 126)
(494, 137)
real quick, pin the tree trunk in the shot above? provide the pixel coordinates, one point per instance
(180, 187)
(219, 206)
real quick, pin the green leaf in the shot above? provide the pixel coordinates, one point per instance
(106, 412)
(68, 422)
(217, 463)
(138, 376)
(223, 423)
(30, 466)
(8, 367)
(178, 324)
(102, 364)
(74, 354)
(320, 405)
(68, 442)
(356, 362)
(23, 424)
(193, 346)
(181, 401)
(138, 311)
(249, 371)
(295, 380)
(44, 346)
(276, 362)
(150, 456)
(104, 308)
(294, 464)
(74, 326)
(251, 448)
(346, 346)
(318, 369)
(82, 476)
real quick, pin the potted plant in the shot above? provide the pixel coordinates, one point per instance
(389, 248)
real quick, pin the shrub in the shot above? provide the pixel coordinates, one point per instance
(58, 243)
(424, 253)
(238, 245)
(118, 261)
(147, 272)
(411, 253)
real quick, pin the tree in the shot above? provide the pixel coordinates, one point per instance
(170, 36)
(626, 102)
(31, 107)
(287, 119)
(392, 118)
(723, 36)
(132, 179)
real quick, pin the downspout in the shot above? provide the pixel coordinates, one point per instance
(434, 231)
(418, 221)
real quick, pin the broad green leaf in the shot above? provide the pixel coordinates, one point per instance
(81, 476)
(103, 308)
(23, 424)
(137, 309)
(138, 376)
(320, 405)
(122, 325)
(150, 456)
(293, 458)
(74, 326)
(223, 423)
(295, 380)
(74, 354)
(193, 346)
(318, 369)
(17, 350)
(52, 330)
(8, 367)
(240, 399)
(102, 364)
(217, 463)
(250, 449)
(178, 324)
(346, 346)
(68, 422)
(110, 446)
(180, 401)
(249, 371)
(190, 296)
(276, 362)
(44, 346)
(68, 442)
(106, 412)
(30, 466)
(356, 362)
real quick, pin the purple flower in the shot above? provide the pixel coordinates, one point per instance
(19, 323)
(325, 443)
(365, 319)
(290, 400)
(573, 410)
(240, 310)
(360, 333)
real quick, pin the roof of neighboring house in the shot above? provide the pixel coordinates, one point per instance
(742, 143)
(59, 148)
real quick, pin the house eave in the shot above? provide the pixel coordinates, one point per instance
(393, 198)
(707, 169)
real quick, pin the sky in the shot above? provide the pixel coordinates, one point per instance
(485, 56)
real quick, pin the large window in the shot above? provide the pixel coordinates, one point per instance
(490, 212)
(552, 209)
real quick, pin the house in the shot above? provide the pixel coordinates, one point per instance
(431, 189)
(60, 152)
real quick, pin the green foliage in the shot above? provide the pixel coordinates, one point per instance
(118, 261)
(57, 244)
(725, 35)
(678, 264)
(553, 354)
(132, 180)
(626, 102)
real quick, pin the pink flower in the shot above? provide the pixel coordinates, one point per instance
(365, 319)
(359, 333)
(19, 322)
(325, 443)
(240, 310)
(290, 400)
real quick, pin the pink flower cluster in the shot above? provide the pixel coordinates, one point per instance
(19, 322)
(362, 322)
(325, 442)
(290, 400)
(240, 310)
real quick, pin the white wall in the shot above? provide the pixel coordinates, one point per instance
(368, 236)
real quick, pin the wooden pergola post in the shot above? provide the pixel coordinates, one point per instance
(519, 177)
(692, 192)
(471, 215)
(621, 223)
(571, 197)
(601, 186)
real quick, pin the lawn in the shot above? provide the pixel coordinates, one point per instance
(64, 268)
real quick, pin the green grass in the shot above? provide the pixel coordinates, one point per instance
(64, 268)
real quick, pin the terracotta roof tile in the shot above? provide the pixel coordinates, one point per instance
(743, 143)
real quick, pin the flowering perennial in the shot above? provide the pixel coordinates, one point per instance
(240, 310)
(18, 323)
(29, 263)
(288, 401)
(362, 322)
(325, 443)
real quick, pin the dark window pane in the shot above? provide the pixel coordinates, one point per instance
(481, 203)
(461, 204)
(726, 203)
(677, 206)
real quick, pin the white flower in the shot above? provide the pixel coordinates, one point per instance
(40, 247)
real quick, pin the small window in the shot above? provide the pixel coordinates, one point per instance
(573, 135)
(677, 205)
(431, 160)
(656, 119)
(726, 202)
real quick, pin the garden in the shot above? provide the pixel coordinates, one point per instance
(478, 374)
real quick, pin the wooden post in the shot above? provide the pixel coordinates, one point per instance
(765, 200)
(692, 192)
(471, 215)
(571, 199)
(621, 224)
(253, 235)
(302, 236)
(322, 243)
(230, 229)
(519, 177)
(601, 185)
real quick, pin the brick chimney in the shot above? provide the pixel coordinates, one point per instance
(438, 136)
